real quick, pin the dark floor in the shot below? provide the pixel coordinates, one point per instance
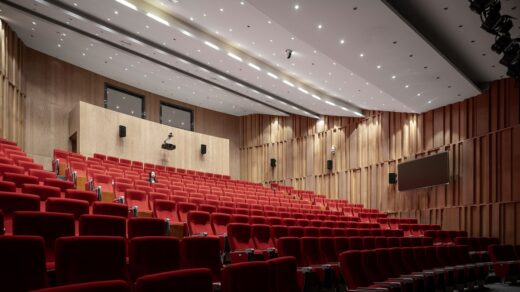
(499, 287)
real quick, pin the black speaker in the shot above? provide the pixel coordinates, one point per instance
(392, 178)
(273, 162)
(202, 149)
(329, 164)
(122, 131)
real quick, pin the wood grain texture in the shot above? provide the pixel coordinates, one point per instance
(143, 140)
(54, 87)
(12, 86)
(482, 135)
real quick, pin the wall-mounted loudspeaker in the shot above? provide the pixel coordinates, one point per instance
(202, 149)
(329, 164)
(122, 131)
(392, 178)
(273, 162)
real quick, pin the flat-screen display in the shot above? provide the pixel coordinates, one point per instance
(423, 172)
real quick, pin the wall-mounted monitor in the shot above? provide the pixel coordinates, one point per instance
(424, 172)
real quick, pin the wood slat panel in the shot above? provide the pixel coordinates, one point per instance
(482, 135)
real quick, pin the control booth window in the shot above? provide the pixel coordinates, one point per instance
(176, 117)
(124, 102)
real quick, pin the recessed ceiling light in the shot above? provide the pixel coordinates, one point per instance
(292, 38)
(157, 18)
(147, 26)
(378, 66)
(406, 86)
(269, 22)
(330, 103)
(59, 45)
(184, 32)
(288, 83)
(204, 15)
(212, 45)
(254, 66)
(115, 12)
(127, 4)
(314, 51)
(272, 75)
(429, 101)
(192, 19)
(296, 6)
(83, 54)
(418, 94)
(393, 76)
(242, 3)
(221, 9)
(33, 23)
(361, 55)
(320, 26)
(303, 90)
(341, 41)
(316, 97)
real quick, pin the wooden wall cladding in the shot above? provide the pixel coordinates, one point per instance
(54, 87)
(482, 135)
(12, 86)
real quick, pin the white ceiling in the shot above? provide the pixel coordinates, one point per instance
(350, 54)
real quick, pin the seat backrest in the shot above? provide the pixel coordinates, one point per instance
(202, 252)
(22, 263)
(199, 223)
(138, 227)
(11, 202)
(112, 209)
(296, 231)
(165, 209)
(20, 179)
(70, 206)
(153, 254)
(44, 192)
(248, 276)
(261, 234)
(310, 249)
(310, 231)
(239, 236)
(88, 196)
(355, 243)
(48, 225)
(290, 246)
(183, 209)
(90, 258)
(182, 280)
(283, 277)
(219, 222)
(102, 225)
(351, 268)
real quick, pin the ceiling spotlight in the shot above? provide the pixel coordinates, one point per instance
(479, 6)
(296, 6)
(288, 52)
(320, 26)
(501, 44)
(511, 56)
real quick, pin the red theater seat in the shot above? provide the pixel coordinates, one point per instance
(99, 286)
(251, 277)
(183, 209)
(138, 227)
(103, 225)
(184, 280)
(7, 186)
(261, 234)
(113, 209)
(44, 192)
(164, 209)
(56, 182)
(219, 222)
(20, 179)
(48, 225)
(199, 223)
(296, 231)
(90, 258)
(70, 206)
(239, 237)
(22, 263)
(88, 196)
(153, 254)
(137, 200)
(283, 275)
(202, 252)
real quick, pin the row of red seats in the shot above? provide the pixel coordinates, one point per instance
(152, 262)
(477, 244)
(426, 268)
(417, 229)
(506, 261)
(444, 236)
(62, 157)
